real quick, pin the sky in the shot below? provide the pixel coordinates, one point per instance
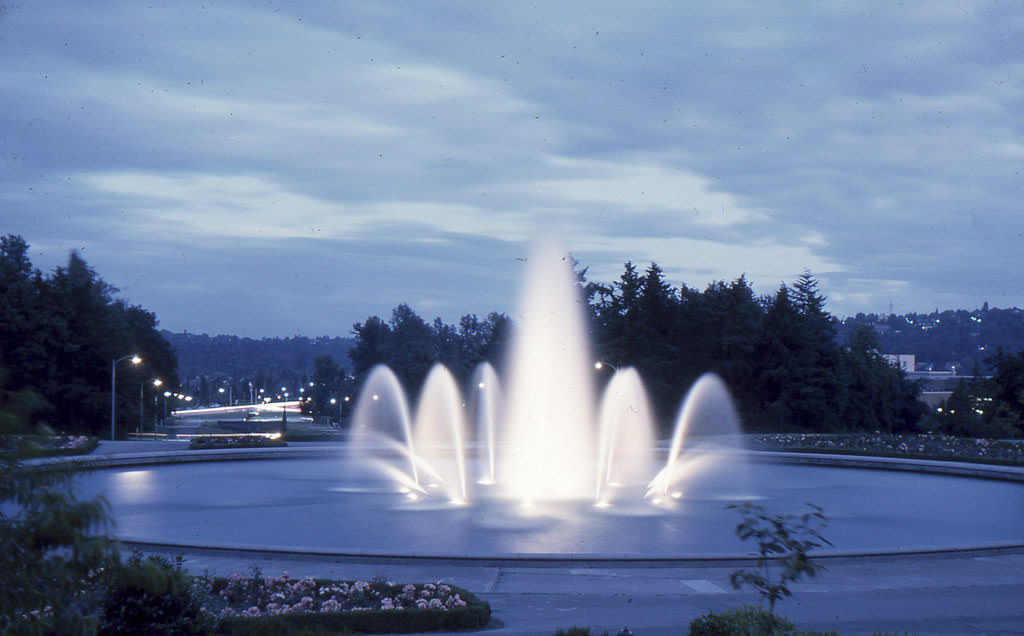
(270, 169)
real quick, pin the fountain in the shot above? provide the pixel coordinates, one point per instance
(533, 464)
(544, 438)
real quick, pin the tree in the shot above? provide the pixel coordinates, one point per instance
(782, 541)
(410, 347)
(726, 329)
(878, 395)
(59, 334)
(50, 552)
(635, 325)
(328, 383)
(19, 307)
(371, 348)
(815, 394)
(1005, 411)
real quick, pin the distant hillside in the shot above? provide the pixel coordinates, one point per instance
(944, 340)
(235, 357)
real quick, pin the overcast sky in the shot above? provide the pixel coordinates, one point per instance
(289, 168)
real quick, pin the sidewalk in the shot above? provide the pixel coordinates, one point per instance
(979, 594)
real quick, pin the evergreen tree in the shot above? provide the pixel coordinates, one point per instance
(59, 334)
(371, 346)
(410, 348)
(879, 397)
(1005, 411)
(729, 330)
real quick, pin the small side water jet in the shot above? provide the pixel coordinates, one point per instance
(545, 438)
(707, 429)
(626, 428)
(486, 405)
(439, 434)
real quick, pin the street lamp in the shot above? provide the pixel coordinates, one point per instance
(156, 382)
(341, 408)
(113, 387)
(163, 416)
(600, 365)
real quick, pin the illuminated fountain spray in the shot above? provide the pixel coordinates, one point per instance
(707, 429)
(540, 434)
(439, 434)
(548, 424)
(626, 429)
(486, 405)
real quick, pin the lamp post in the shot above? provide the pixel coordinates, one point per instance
(156, 382)
(163, 416)
(113, 388)
(600, 365)
(341, 408)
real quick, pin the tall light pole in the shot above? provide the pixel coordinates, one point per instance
(113, 388)
(163, 416)
(156, 382)
(341, 408)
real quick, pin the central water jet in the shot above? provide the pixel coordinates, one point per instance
(543, 438)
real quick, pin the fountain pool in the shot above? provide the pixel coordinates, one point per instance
(530, 463)
(333, 505)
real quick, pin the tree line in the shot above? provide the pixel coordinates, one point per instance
(227, 368)
(778, 353)
(791, 365)
(60, 334)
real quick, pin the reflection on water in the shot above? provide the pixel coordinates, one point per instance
(132, 486)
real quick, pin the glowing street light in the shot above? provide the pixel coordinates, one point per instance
(341, 407)
(600, 365)
(113, 387)
(156, 382)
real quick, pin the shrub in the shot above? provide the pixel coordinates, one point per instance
(782, 540)
(155, 596)
(46, 444)
(746, 620)
(50, 553)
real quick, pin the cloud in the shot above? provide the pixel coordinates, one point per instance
(406, 153)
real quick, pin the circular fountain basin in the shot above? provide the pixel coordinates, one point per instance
(334, 505)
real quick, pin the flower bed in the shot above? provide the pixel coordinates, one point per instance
(207, 442)
(26, 446)
(925, 445)
(249, 604)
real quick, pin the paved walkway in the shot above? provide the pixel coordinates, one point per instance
(965, 593)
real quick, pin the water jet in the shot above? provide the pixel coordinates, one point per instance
(541, 433)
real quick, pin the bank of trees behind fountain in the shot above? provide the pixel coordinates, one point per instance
(780, 354)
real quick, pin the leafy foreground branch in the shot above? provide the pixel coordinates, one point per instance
(782, 545)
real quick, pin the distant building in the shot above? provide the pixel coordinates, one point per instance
(906, 362)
